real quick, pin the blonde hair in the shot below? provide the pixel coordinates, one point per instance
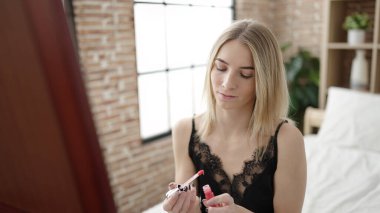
(272, 98)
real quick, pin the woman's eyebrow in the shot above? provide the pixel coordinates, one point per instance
(223, 61)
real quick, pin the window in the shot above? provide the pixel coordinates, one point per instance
(173, 41)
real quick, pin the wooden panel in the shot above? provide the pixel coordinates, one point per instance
(323, 67)
(334, 77)
(337, 13)
(49, 153)
(343, 45)
(376, 23)
(376, 75)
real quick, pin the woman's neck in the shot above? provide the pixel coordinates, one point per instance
(231, 122)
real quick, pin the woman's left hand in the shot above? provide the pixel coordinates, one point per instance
(223, 203)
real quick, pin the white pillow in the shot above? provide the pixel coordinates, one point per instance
(352, 119)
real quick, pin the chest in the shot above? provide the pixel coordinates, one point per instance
(231, 169)
(232, 154)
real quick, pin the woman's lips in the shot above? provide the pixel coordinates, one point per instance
(225, 97)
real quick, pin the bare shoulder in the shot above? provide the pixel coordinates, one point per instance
(290, 139)
(183, 125)
(181, 132)
(291, 147)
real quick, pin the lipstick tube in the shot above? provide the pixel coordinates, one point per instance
(209, 194)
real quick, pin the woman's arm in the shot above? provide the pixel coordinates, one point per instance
(184, 169)
(290, 176)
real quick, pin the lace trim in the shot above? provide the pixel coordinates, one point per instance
(240, 181)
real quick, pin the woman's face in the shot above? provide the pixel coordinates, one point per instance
(233, 76)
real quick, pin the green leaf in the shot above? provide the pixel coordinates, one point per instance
(356, 21)
(302, 71)
(286, 46)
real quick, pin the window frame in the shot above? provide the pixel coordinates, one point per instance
(167, 70)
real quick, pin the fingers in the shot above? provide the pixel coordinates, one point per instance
(172, 185)
(194, 200)
(170, 202)
(224, 199)
(186, 202)
(220, 203)
(218, 209)
(182, 200)
(194, 195)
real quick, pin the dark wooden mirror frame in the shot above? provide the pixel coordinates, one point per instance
(50, 157)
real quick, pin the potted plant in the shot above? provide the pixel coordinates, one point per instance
(302, 71)
(356, 24)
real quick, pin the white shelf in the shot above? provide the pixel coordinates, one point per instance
(345, 0)
(336, 53)
(341, 45)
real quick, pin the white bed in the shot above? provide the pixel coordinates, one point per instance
(343, 160)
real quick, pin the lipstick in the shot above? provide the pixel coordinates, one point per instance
(188, 182)
(208, 193)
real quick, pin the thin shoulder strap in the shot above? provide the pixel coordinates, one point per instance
(192, 126)
(275, 143)
(192, 139)
(278, 128)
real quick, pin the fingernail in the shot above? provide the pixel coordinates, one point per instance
(204, 201)
(173, 194)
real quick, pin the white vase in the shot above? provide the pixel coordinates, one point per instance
(359, 72)
(356, 37)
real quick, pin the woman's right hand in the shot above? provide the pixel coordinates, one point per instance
(182, 201)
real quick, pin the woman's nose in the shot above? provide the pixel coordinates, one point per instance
(229, 81)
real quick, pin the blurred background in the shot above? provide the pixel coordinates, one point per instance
(143, 66)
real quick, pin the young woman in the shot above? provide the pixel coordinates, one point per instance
(253, 159)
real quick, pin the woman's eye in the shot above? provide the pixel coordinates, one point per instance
(220, 69)
(246, 76)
